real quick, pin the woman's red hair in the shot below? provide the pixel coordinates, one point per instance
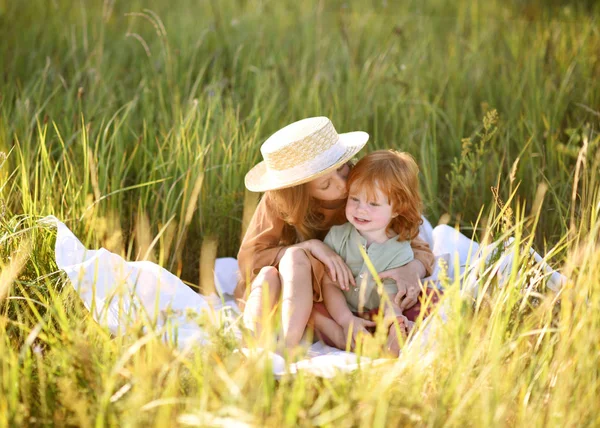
(298, 209)
(396, 175)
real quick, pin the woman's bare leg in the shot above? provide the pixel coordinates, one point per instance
(295, 272)
(267, 281)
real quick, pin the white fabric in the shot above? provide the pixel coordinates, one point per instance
(468, 256)
(115, 290)
(118, 293)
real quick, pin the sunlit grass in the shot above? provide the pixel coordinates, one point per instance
(135, 122)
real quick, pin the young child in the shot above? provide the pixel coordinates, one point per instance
(384, 214)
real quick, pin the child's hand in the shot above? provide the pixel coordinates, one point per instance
(356, 326)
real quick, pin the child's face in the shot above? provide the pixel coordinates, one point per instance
(368, 216)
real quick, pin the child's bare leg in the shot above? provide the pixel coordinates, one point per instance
(267, 281)
(393, 344)
(296, 283)
(328, 328)
(393, 341)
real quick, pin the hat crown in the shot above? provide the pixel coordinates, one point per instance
(301, 152)
(298, 143)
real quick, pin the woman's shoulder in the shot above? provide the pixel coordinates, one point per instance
(266, 217)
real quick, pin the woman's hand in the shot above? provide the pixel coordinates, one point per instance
(338, 270)
(407, 280)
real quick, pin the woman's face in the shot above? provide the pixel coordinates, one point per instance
(332, 186)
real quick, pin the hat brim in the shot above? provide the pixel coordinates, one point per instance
(258, 179)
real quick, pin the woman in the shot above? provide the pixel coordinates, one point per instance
(304, 174)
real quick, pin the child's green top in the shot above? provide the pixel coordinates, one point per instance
(345, 241)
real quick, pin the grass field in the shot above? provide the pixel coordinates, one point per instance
(135, 122)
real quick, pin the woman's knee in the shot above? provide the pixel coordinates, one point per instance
(294, 257)
(268, 275)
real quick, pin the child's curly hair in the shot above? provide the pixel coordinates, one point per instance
(395, 174)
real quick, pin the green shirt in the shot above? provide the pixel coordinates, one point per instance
(345, 241)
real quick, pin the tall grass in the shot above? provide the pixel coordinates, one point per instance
(135, 122)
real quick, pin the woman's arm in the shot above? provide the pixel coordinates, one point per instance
(260, 246)
(424, 255)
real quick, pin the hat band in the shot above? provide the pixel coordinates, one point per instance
(313, 166)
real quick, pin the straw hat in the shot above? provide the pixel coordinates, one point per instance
(301, 152)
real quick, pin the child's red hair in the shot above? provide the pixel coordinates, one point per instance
(396, 175)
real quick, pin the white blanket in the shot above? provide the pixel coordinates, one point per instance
(118, 293)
